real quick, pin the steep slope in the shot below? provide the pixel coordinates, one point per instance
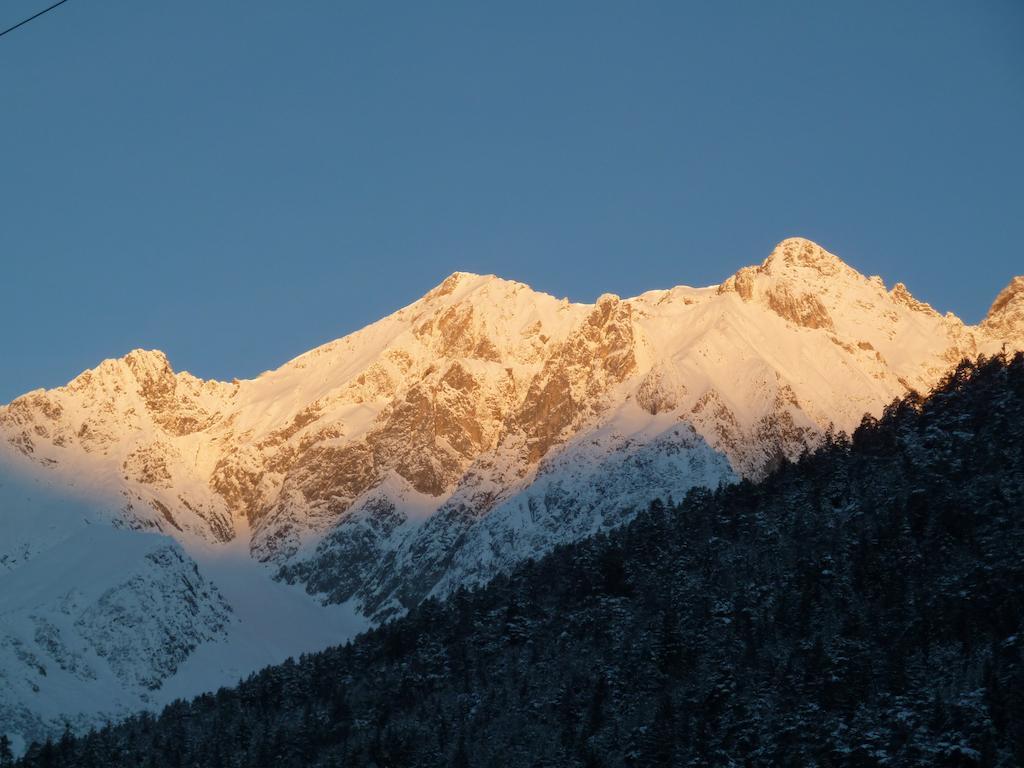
(862, 607)
(92, 619)
(90, 631)
(98, 621)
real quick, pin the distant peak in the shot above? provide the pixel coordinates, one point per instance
(1009, 295)
(460, 276)
(1007, 311)
(797, 242)
(793, 265)
(448, 285)
(146, 357)
(803, 253)
(143, 364)
(467, 281)
(147, 363)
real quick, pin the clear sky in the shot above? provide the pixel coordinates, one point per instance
(237, 181)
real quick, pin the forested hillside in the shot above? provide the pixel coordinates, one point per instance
(860, 607)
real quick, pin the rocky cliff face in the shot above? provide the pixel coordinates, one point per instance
(373, 466)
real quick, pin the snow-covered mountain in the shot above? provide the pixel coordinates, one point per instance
(99, 620)
(482, 424)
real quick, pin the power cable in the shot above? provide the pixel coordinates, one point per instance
(30, 18)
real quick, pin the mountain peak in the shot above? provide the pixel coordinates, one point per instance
(449, 284)
(146, 365)
(1007, 311)
(146, 358)
(791, 280)
(802, 253)
(142, 364)
(465, 283)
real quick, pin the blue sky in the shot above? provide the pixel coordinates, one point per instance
(236, 182)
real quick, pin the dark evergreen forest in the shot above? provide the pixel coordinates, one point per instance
(860, 607)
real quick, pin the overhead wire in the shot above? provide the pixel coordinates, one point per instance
(30, 18)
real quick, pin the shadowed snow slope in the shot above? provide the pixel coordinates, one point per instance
(97, 621)
(482, 424)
